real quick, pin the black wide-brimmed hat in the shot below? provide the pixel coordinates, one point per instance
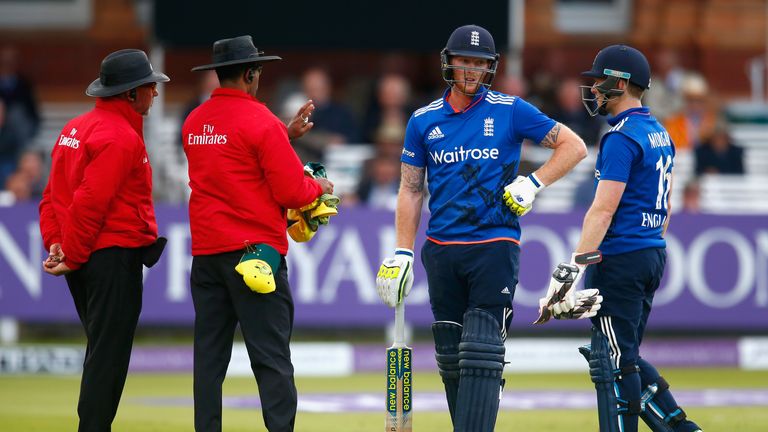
(238, 50)
(124, 70)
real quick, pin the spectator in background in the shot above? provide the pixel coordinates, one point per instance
(19, 116)
(665, 98)
(380, 183)
(388, 140)
(14, 136)
(334, 123)
(543, 84)
(390, 108)
(696, 120)
(691, 197)
(513, 85)
(17, 190)
(719, 154)
(15, 89)
(26, 183)
(330, 117)
(30, 167)
(570, 112)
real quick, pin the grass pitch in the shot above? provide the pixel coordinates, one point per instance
(48, 404)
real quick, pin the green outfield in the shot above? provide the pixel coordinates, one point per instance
(48, 404)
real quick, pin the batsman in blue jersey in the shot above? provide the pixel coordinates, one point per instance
(626, 221)
(467, 144)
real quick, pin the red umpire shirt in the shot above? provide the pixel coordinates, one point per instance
(244, 174)
(99, 192)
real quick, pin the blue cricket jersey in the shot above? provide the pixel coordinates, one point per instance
(637, 151)
(470, 155)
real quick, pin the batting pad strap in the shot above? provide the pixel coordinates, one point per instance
(662, 385)
(626, 370)
(675, 417)
(447, 337)
(634, 406)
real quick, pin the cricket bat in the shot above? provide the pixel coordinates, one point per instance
(399, 378)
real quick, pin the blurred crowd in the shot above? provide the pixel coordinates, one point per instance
(374, 114)
(21, 168)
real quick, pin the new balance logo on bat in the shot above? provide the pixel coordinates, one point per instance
(435, 134)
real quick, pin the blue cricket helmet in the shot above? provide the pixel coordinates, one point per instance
(621, 61)
(470, 41)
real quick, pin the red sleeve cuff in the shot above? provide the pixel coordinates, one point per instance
(51, 241)
(71, 265)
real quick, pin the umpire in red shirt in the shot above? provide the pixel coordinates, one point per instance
(244, 174)
(98, 223)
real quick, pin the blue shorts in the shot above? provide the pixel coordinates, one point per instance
(627, 283)
(481, 275)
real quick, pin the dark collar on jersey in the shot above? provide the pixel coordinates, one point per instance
(613, 121)
(449, 109)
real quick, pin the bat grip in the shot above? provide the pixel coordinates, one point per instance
(400, 324)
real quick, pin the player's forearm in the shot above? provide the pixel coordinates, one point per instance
(407, 217)
(569, 150)
(596, 223)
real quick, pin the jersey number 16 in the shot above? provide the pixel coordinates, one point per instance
(665, 174)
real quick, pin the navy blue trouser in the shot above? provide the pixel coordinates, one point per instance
(627, 283)
(462, 277)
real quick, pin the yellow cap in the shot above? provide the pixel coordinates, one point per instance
(257, 274)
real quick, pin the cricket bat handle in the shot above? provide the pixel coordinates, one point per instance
(400, 325)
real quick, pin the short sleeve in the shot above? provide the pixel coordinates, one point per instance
(618, 153)
(529, 122)
(414, 152)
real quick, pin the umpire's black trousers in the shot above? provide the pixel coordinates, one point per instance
(222, 300)
(107, 293)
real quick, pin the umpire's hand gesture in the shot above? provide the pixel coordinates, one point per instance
(300, 124)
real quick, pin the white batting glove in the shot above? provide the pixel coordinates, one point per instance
(585, 302)
(395, 277)
(519, 194)
(563, 300)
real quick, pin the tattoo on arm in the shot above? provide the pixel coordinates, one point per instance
(550, 140)
(412, 178)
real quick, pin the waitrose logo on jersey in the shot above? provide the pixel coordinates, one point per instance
(458, 154)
